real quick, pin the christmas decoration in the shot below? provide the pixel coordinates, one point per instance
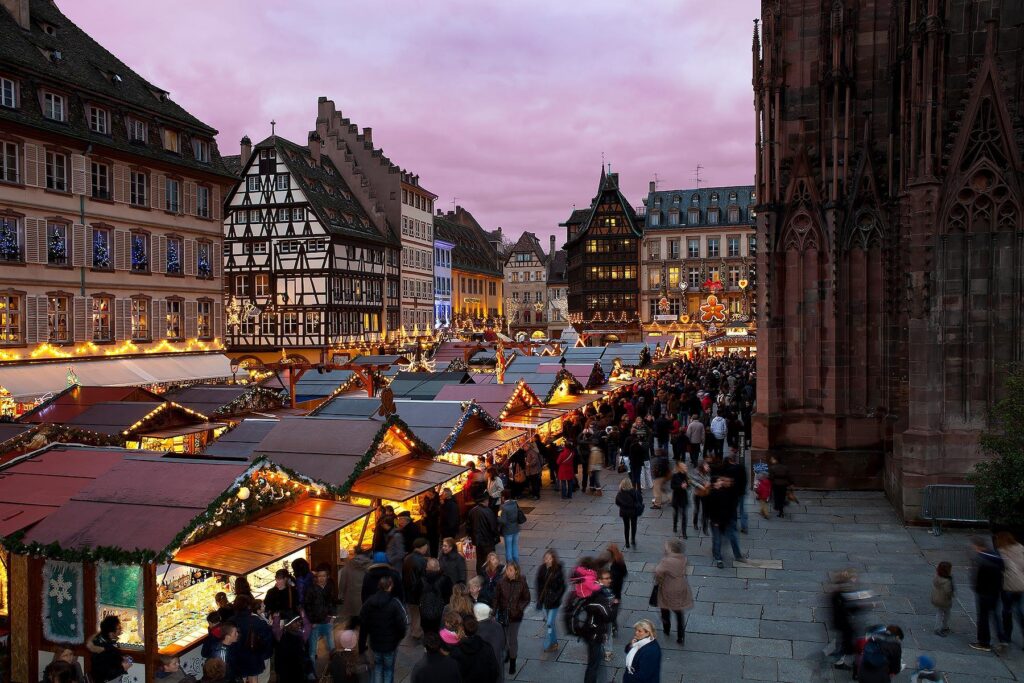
(173, 257)
(71, 378)
(57, 246)
(203, 267)
(62, 602)
(712, 311)
(100, 249)
(140, 255)
(597, 377)
(9, 249)
(7, 403)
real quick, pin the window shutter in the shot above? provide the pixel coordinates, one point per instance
(42, 321)
(218, 320)
(87, 260)
(122, 319)
(158, 324)
(80, 331)
(215, 208)
(121, 260)
(78, 174)
(157, 191)
(34, 172)
(90, 324)
(190, 198)
(78, 252)
(31, 325)
(191, 319)
(217, 260)
(121, 179)
(158, 262)
(190, 257)
(31, 240)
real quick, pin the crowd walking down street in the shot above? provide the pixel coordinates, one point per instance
(528, 583)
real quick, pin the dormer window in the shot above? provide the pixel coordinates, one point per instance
(734, 215)
(137, 130)
(8, 93)
(172, 141)
(99, 120)
(54, 107)
(693, 217)
(201, 150)
(48, 29)
(695, 199)
(732, 196)
(714, 198)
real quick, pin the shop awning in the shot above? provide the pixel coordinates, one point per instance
(262, 541)
(38, 379)
(183, 430)
(532, 418)
(484, 441)
(401, 481)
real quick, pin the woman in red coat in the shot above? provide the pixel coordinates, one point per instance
(566, 470)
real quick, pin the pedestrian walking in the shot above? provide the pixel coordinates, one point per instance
(566, 471)
(1012, 553)
(695, 438)
(679, 484)
(673, 588)
(845, 603)
(942, 597)
(350, 583)
(319, 610)
(382, 626)
(482, 527)
(637, 459)
(435, 590)
(510, 516)
(719, 430)
(588, 615)
(453, 564)
(512, 596)
(987, 581)
(763, 491)
(550, 586)
(595, 464)
(435, 666)
(450, 519)
(721, 504)
(475, 656)
(882, 656)
(618, 570)
(661, 473)
(643, 655)
(700, 499)
(781, 482)
(491, 633)
(534, 466)
(430, 507)
(413, 567)
(631, 505)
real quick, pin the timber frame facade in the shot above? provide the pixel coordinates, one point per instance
(310, 272)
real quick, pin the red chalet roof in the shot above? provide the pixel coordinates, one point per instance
(73, 401)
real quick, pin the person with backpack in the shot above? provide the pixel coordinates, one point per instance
(550, 586)
(511, 597)
(377, 571)
(673, 588)
(482, 528)
(510, 516)
(643, 655)
(630, 502)
(588, 613)
(383, 623)
(435, 590)
(517, 473)
(247, 657)
(882, 656)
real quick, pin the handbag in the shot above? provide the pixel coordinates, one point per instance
(501, 617)
(521, 517)
(622, 467)
(653, 600)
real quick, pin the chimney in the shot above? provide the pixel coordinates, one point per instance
(552, 246)
(314, 146)
(499, 233)
(246, 144)
(651, 187)
(368, 134)
(18, 10)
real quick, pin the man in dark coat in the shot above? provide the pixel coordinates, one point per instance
(377, 571)
(382, 624)
(435, 666)
(413, 567)
(482, 527)
(108, 663)
(721, 510)
(475, 657)
(987, 582)
(450, 519)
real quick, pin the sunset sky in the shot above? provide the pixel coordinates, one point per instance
(507, 106)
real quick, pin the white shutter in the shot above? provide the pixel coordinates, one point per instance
(42, 321)
(78, 174)
(191, 319)
(34, 171)
(158, 328)
(121, 179)
(87, 256)
(31, 240)
(190, 198)
(217, 260)
(121, 251)
(218, 320)
(158, 263)
(31, 312)
(215, 208)
(190, 257)
(78, 253)
(90, 324)
(122, 319)
(81, 312)
(157, 191)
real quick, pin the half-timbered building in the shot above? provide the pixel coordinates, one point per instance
(603, 248)
(310, 272)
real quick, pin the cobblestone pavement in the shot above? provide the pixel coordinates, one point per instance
(766, 619)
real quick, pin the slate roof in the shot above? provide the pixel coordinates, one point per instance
(663, 202)
(85, 71)
(529, 243)
(472, 251)
(609, 183)
(328, 194)
(241, 441)
(233, 164)
(557, 267)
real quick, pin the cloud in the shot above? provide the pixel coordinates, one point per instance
(508, 106)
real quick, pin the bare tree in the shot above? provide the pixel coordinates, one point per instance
(513, 309)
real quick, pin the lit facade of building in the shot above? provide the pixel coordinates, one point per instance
(525, 268)
(110, 202)
(477, 280)
(442, 282)
(417, 256)
(557, 294)
(698, 268)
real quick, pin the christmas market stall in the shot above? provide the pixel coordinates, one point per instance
(152, 540)
(240, 442)
(17, 438)
(124, 416)
(425, 386)
(377, 461)
(226, 401)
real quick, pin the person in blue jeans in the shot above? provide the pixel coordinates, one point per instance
(382, 625)
(722, 506)
(508, 522)
(319, 605)
(550, 586)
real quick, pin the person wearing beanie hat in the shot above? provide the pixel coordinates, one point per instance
(378, 570)
(491, 632)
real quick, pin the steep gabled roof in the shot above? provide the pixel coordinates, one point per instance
(86, 68)
(557, 267)
(472, 251)
(609, 184)
(328, 194)
(527, 243)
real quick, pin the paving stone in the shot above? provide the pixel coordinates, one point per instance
(794, 630)
(764, 647)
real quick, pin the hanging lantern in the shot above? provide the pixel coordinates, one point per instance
(243, 493)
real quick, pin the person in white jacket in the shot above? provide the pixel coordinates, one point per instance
(719, 429)
(1012, 553)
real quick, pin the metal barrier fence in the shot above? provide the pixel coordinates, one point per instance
(950, 503)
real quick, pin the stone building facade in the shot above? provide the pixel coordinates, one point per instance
(526, 273)
(889, 182)
(477, 282)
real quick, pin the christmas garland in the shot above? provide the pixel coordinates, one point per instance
(563, 375)
(471, 410)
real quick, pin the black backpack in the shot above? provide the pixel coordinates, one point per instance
(578, 616)
(431, 603)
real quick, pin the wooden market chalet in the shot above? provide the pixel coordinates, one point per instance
(307, 266)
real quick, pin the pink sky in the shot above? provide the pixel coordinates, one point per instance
(507, 106)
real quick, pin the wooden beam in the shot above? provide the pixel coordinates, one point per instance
(149, 628)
